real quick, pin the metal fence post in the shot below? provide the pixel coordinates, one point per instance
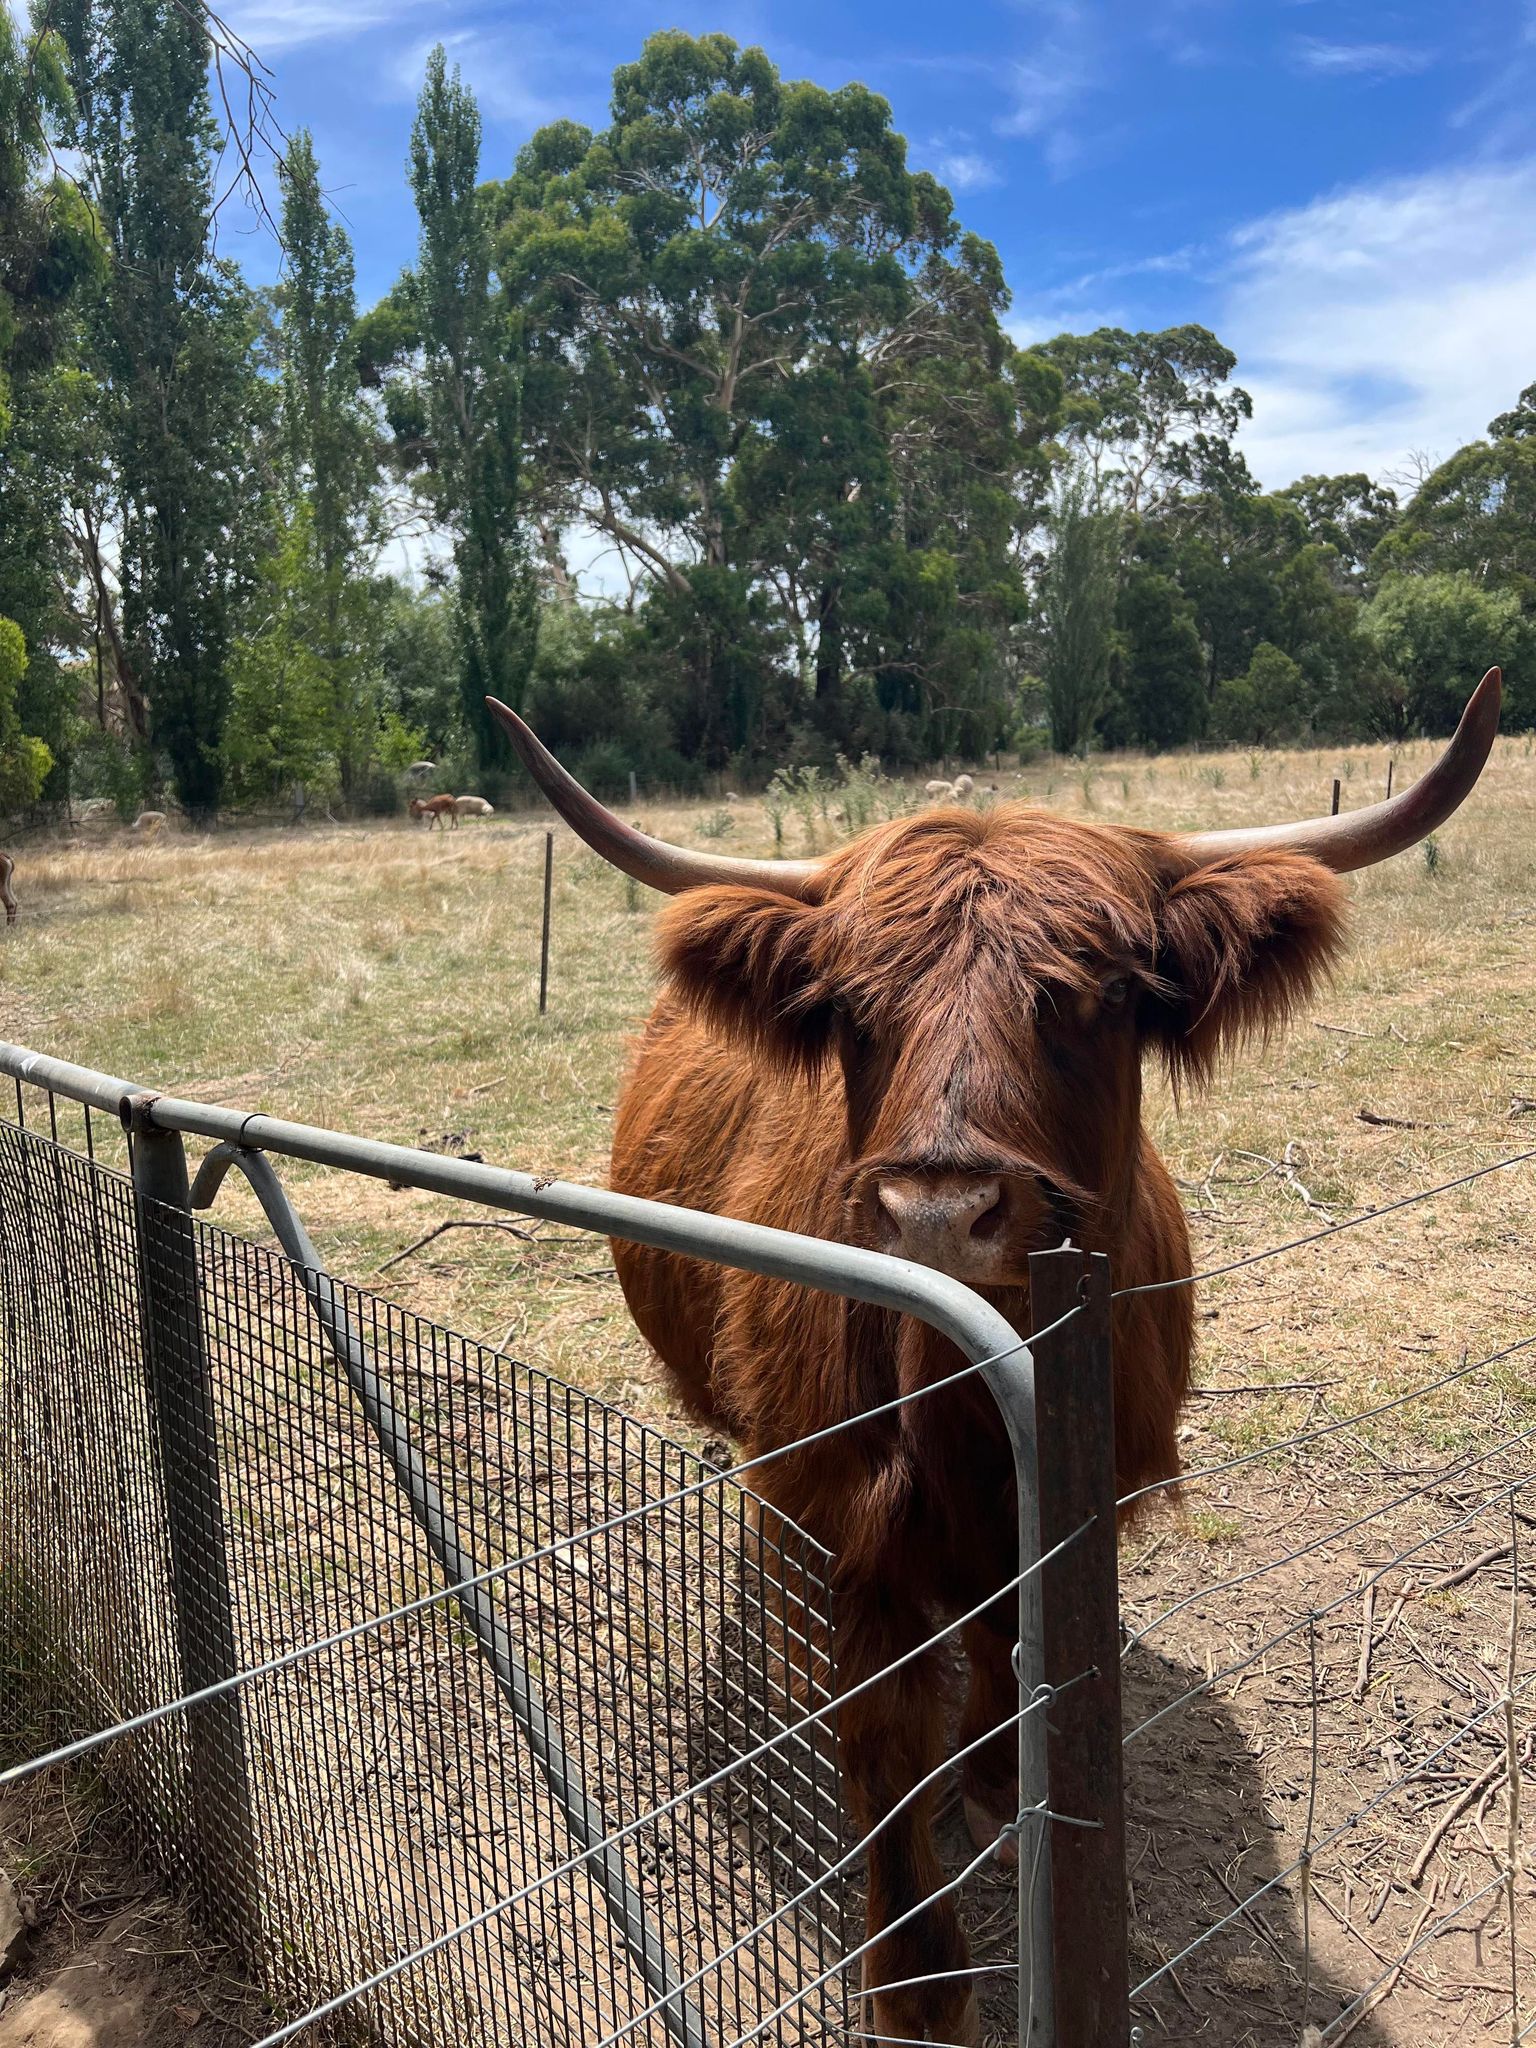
(186, 1431)
(1080, 1590)
(549, 878)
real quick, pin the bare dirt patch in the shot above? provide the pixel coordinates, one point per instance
(112, 1962)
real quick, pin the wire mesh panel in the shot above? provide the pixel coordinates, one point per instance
(661, 1628)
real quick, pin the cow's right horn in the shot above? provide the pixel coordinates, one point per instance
(1357, 839)
(652, 861)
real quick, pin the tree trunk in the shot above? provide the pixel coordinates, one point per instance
(828, 710)
(135, 703)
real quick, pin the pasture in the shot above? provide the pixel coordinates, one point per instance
(380, 979)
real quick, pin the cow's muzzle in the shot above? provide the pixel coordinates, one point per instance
(979, 1227)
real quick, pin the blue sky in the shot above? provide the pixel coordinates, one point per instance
(1344, 190)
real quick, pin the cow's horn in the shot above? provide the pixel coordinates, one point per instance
(668, 868)
(1356, 839)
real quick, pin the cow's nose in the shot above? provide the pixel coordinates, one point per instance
(952, 1221)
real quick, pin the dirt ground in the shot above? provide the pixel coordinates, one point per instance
(111, 1961)
(377, 981)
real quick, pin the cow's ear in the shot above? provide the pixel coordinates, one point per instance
(1242, 943)
(746, 960)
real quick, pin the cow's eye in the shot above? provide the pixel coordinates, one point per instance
(1112, 993)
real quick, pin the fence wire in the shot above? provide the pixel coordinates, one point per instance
(391, 1792)
(1325, 1746)
(1328, 1747)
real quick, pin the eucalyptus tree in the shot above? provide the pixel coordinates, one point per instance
(766, 364)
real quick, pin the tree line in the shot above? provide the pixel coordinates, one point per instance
(700, 439)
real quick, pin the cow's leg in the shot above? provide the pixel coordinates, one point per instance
(890, 1738)
(989, 1776)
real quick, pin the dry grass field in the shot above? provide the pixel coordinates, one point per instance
(382, 979)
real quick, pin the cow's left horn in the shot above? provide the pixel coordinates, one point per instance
(652, 861)
(1356, 839)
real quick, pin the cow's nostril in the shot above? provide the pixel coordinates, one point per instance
(934, 1217)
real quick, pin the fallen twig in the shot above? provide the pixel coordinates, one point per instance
(1367, 1622)
(1463, 1572)
(458, 1223)
(1273, 1387)
(1394, 1123)
(1453, 1813)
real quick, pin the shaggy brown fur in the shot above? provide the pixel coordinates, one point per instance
(965, 993)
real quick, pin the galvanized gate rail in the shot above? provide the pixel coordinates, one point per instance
(157, 1124)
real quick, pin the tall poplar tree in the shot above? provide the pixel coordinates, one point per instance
(471, 346)
(173, 345)
(49, 265)
(328, 461)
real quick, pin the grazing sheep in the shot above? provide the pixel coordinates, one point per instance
(473, 807)
(435, 809)
(149, 823)
(963, 785)
(939, 790)
(96, 807)
(7, 893)
(731, 797)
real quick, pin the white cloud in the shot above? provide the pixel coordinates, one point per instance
(1359, 60)
(1043, 319)
(519, 74)
(1383, 319)
(962, 170)
(1048, 85)
(274, 26)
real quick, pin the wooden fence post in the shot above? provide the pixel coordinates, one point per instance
(1080, 1598)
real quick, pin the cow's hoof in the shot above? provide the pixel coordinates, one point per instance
(986, 1828)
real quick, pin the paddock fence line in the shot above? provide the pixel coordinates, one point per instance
(472, 1710)
(465, 1707)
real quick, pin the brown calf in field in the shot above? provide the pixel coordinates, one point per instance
(435, 809)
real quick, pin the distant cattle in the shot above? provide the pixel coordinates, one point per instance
(148, 823)
(929, 1042)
